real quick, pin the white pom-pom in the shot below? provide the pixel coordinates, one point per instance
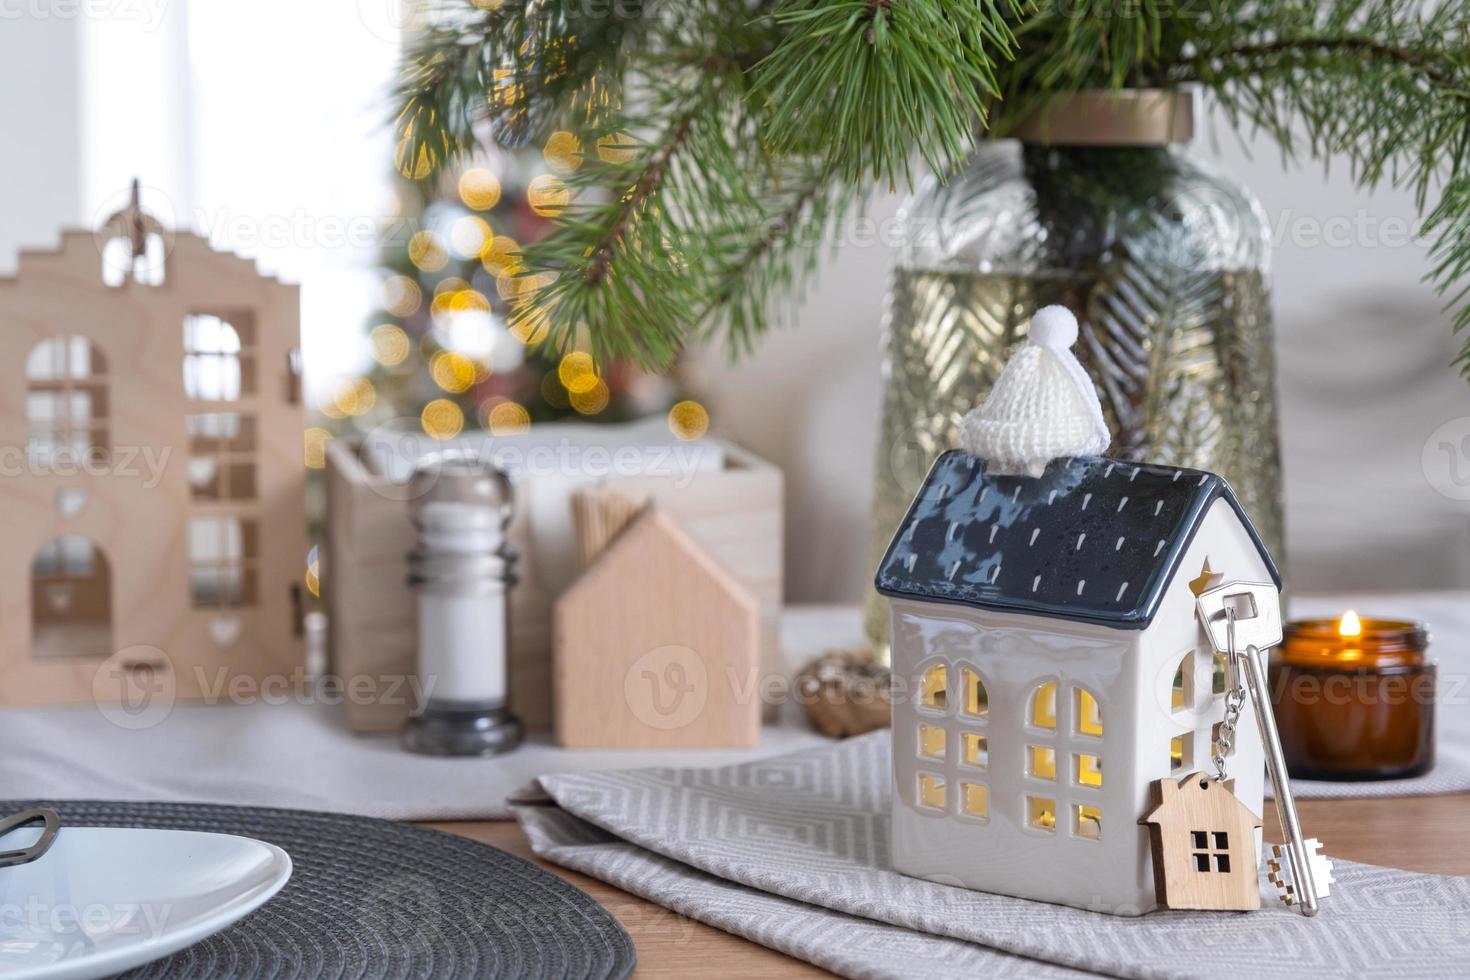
(1054, 327)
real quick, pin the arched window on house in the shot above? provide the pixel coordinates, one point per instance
(952, 740)
(66, 403)
(1064, 760)
(219, 357)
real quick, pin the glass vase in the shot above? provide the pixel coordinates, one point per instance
(1164, 262)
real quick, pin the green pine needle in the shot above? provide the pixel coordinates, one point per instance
(742, 136)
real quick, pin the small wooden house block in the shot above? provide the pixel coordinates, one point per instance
(1049, 666)
(153, 517)
(1207, 839)
(735, 515)
(656, 646)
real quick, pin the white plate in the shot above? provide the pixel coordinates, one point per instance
(104, 900)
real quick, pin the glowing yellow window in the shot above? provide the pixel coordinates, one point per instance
(931, 741)
(1087, 714)
(1041, 761)
(1044, 705)
(1041, 813)
(931, 790)
(977, 700)
(1086, 821)
(975, 749)
(975, 800)
(1087, 769)
(1181, 751)
(1178, 690)
(932, 687)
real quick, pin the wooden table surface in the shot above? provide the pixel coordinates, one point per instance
(1426, 833)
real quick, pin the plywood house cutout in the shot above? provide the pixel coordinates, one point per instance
(152, 504)
(1207, 841)
(656, 646)
(1045, 635)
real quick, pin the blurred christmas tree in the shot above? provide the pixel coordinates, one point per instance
(444, 355)
(442, 347)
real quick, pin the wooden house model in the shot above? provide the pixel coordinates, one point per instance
(656, 644)
(1044, 631)
(1208, 841)
(152, 508)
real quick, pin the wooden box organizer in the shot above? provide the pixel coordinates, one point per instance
(734, 514)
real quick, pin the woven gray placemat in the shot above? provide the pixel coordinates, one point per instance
(373, 899)
(793, 852)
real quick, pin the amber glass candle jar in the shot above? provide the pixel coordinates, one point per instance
(1354, 698)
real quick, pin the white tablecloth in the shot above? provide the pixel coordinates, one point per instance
(302, 755)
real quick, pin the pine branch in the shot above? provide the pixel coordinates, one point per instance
(772, 261)
(747, 133)
(861, 84)
(1386, 87)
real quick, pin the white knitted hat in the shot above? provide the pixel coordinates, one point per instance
(1042, 406)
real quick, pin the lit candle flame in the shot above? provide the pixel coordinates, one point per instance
(1349, 625)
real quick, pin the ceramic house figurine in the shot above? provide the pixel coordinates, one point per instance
(154, 520)
(1048, 662)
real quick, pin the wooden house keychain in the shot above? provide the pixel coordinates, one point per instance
(1197, 827)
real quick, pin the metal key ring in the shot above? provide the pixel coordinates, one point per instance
(25, 855)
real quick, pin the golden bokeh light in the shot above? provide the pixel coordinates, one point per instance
(521, 289)
(547, 195)
(315, 444)
(391, 345)
(577, 373)
(616, 148)
(490, 5)
(449, 284)
(453, 372)
(442, 419)
(501, 255)
(401, 296)
(479, 189)
(688, 420)
(443, 303)
(469, 299)
(427, 252)
(563, 152)
(355, 396)
(592, 401)
(530, 325)
(508, 418)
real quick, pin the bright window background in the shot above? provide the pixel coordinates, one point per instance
(261, 126)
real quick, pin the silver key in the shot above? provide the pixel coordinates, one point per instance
(1243, 620)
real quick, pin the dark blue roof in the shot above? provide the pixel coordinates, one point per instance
(1094, 540)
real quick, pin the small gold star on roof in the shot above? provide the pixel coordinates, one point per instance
(1207, 580)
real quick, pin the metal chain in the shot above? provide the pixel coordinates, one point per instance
(1234, 700)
